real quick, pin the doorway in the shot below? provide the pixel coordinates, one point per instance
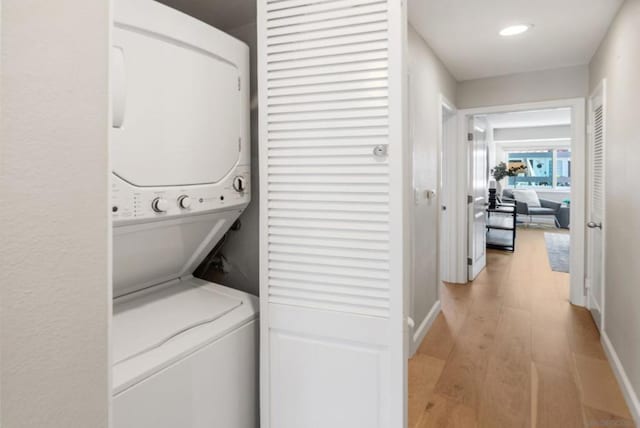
(546, 153)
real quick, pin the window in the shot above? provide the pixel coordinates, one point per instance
(545, 169)
(563, 169)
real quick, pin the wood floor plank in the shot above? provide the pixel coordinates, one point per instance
(517, 295)
(562, 285)
(424, 372)
(542, 286)
(599, 386)
(440, 338)
(465, 370)
(583, 334)
(549, 314)
(506, 393)
(506, 396)
(598, 419)
(514, 352)
(455, 301)
(512, 343)
(558, 399)
(551, 347)
(486, 306)
(442, 412)
(463, 376)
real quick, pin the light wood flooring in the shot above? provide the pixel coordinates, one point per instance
(509, 350)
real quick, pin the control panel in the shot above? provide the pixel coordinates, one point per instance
(131, 203)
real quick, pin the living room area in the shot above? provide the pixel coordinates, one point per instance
(530, 160)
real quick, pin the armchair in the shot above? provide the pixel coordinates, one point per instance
(546, 208)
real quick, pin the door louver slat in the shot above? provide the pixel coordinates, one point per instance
(328, 213)
(597, 160)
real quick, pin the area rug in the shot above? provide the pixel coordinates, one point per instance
(558, 246)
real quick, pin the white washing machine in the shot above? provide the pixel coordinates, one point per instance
(184, 351)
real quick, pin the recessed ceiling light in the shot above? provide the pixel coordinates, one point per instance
(513, 30)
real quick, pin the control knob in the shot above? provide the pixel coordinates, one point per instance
(184, 201)
(160, 205)
(239, 184)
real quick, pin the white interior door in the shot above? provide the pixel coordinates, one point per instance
(448, 260)
(595, 205)
(334, 193)
(477, 199)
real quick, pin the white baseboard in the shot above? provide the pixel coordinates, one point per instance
(629, 394)
(423, 328)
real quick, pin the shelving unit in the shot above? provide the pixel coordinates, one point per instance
(501, 227)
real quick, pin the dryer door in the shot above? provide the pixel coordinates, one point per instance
(176, 111)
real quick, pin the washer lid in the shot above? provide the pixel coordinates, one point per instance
(148, 321)
(177, 110)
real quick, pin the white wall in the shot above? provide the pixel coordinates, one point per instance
(618, 61)
(54, 222)
(533, 133)
(428, 79)
(570, 82)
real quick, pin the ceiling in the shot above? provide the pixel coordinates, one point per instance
(533, 118)
(464, 33)
(222, 14)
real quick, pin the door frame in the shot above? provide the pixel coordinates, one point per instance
(578, 187)
(600, 90)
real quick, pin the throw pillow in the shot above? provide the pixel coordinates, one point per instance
(528, 196)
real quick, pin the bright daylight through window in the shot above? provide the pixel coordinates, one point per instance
(549, 169)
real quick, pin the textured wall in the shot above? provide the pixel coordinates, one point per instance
(618, 61)
(54, 290)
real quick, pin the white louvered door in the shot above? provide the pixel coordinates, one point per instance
(333, 201)
(595, 205)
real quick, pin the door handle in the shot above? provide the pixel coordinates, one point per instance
(594, 225)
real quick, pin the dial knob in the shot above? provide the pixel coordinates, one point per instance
(160, 205)
(184, 201)
(239, 184)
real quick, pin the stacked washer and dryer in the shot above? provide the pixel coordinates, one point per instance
(184, 350)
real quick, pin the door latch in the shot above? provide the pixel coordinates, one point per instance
(380, 150)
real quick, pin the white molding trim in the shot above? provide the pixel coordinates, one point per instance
(424, 327)
(627, 390)
(578, 185)
(536, 140)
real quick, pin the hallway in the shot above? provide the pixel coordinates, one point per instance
(509, 350)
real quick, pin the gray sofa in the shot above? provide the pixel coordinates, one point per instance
(547, 208)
